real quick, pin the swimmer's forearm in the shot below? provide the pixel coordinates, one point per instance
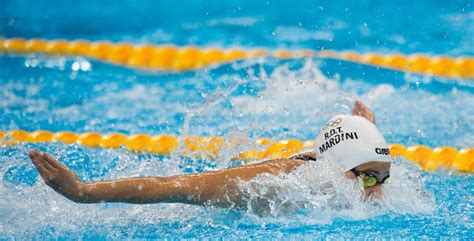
(134, 190)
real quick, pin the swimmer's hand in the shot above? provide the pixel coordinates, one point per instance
(58, 176)
(361, 109)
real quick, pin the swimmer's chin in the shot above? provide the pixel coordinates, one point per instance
(371, 199)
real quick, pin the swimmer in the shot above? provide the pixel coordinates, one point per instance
(350, 141)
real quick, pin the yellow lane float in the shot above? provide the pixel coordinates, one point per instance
(173, 58)
(264, 148)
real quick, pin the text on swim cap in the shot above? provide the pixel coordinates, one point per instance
(382, 151)
(335, 136)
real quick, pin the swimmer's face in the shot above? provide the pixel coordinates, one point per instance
(380, 170)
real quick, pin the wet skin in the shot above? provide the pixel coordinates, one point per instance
(214, 187)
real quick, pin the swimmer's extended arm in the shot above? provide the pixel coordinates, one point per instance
(218, 187)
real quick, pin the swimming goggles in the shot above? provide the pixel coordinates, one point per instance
(368, 179)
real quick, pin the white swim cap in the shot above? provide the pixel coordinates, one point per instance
(351, 141)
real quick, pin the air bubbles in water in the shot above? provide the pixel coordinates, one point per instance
(81, 65)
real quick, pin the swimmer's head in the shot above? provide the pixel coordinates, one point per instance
(355, 144)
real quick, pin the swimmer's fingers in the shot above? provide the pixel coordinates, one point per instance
(37, 159)
(358, 104)
(53, 162)
(361, 109)
(44, 172)
(44, 160)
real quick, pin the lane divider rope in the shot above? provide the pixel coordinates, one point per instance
(264, 148)
(173, 58)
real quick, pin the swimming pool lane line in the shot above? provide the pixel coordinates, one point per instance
(178, 59)
(264, 148)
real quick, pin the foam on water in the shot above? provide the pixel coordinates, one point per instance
(318, 192)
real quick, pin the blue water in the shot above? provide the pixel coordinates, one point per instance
(255, 98)
(427, 26)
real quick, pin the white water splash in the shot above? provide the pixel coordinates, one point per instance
(318, 192)
(304, 91)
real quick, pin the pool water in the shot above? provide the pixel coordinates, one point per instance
(263, 97)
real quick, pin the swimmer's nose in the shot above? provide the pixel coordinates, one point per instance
(375, 191)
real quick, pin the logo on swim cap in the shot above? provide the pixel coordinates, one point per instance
(332, 123)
